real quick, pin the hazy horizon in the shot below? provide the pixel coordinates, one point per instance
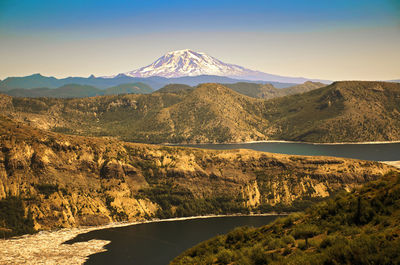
(342, 40)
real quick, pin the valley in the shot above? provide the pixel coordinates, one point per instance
(67, 181)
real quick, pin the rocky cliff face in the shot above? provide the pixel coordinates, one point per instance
(67, 181)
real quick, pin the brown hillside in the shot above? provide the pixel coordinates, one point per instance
(348, 111)
(73, 180)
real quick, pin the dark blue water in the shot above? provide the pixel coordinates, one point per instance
(374, 152)
(158, 243)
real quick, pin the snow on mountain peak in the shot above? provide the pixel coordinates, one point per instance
(188, 63)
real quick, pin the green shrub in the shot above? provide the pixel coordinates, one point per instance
(302, 245)
(305, 231)
(259, 256)
(46, 189)
(225, 256)
(288, 239)
(12, 218)
(326, 242)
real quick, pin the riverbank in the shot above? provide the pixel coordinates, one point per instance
(283, 141)
(372, 151)
(46, 247)
(392, 163)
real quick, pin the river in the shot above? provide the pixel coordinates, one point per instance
(157, 243)
(373, 152)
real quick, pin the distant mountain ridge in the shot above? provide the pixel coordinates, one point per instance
(268, 91)
(77, 91)
(156, 82)
(182, 66)
(190, 63)
(132, 88)
(254, 90)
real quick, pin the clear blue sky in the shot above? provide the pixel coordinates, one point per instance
(349, 39)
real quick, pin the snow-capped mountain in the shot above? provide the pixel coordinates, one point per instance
(189, 63)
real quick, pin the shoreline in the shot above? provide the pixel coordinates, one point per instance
(123, 224)
(284, 141)
(48, 246)
(395, 163)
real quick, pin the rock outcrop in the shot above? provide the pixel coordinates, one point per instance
(67, 181)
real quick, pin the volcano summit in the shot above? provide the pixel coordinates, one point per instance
(186, 62)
